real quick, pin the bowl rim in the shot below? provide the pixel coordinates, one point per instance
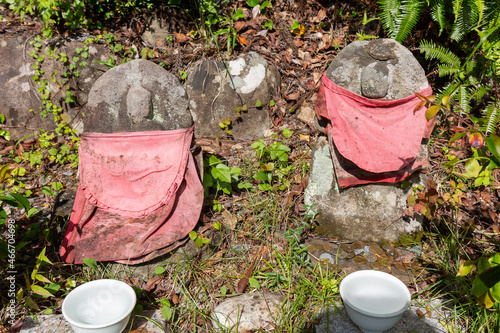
(369, 272)
(128, 289)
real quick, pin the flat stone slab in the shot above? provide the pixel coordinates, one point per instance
(57, 323)
(336, 320)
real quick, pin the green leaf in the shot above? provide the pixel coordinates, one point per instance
(198, 242)
(47, 191)
(466, 268)
(40, 291)
(159, 270)
(42, 278)
(239, 14)
(287, 133)
(22, 202)
(252, 3)
(493, 142)
(265, 4)
(265, 187)
(472, 168)
(223, 290)
(193, 235)
(166, 312)
(221, 172)
(431, 112)
(31, 212)
(254, 283)
(258, 103)
(90, 263)
(53, 288)
(244, 185)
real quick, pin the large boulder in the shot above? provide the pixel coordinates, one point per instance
(19, 93)
(134, 97)
(215, 91)
(377, 69)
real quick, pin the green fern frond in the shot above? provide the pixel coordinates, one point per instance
(480, 5)
(390, 10)
(466, 20)
(438, 14)
(440, 53)
(463, 98)
(445, 69)
(410, 13)
(457, 6)
(492, 116)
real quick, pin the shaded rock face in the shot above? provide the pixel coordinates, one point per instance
(134, 97)
(374, 69)
(248, 312)
(19, 94)
(214, 92)
(380, 68)
(155, 32)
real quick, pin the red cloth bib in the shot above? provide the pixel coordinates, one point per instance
(379, 136)
(139, 193)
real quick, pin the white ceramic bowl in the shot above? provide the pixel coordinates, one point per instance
(100, 306)
(375, 301)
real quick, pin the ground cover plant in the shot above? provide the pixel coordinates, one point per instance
(251, 234)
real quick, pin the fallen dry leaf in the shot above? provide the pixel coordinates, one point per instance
(242, 284)
(229, 220)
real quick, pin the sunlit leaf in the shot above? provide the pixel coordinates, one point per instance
(456, 137)
(90, 262)
(159, 270)
(466, 268)
(486, 300)
(431, 112)
(166, 312)
(472, 168)
(445, 101)
(42, 278)
(40, 291)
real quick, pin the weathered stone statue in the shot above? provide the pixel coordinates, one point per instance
(374, 142)
(215, 91)
(139, 192)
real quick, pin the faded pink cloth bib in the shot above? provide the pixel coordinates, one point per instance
(379, 136)
(139, 193)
